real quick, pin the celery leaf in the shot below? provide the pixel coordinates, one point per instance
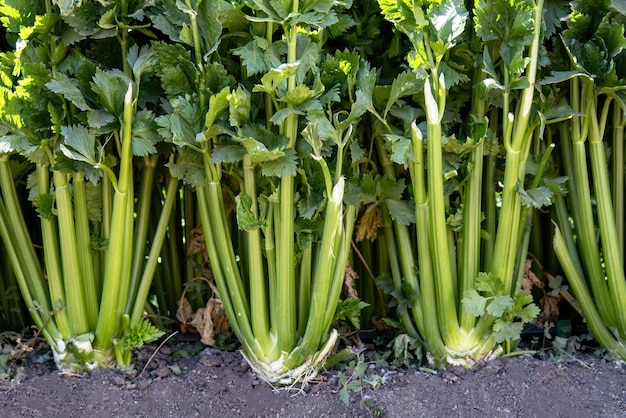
(538, 197)
(503, 330)
(498, 305)
(227, 154)
(350, 309)
(111, 88)
(246, 219)
(143, 332)
(473, 303)
(63, 85)
(401, 211)
(144, 133)
(285, 165)
(79, 144)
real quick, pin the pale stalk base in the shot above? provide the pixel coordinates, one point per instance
(277, 374)
(470, 359)
(78, 355)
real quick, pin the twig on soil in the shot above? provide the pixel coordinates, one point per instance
(154, 354)
(69, 373)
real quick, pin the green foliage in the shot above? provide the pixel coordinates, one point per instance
(350, 309)
(511, 313)
(142, 333)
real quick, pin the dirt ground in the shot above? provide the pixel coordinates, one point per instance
(211, 383)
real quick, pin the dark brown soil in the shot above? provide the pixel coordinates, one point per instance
(219, 384)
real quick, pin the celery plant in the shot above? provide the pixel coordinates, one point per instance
(463, 307)
(13, 315)
(81, 125)
(277, 146)
(589, 237)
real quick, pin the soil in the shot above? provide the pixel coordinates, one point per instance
(212, 383)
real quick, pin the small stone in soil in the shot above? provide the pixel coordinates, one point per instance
(119, 380)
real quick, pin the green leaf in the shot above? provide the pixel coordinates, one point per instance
(144, 133)
(79, 144)
(524, 308)
(554, 13)
(317, 20)
(143, 332)
(392, 189)
(141, 60)
(298, 95)
(366, 81)
(613, 36)
(319, 130)
(259, 153)
(344, 395)
(94, 201)
(490, 284)
(557, 77)
(253, 55)
(358, 109)
(176, 71)
(405, 84)
(209, 24)
(399, 11)
(272, 79)
(473, 303)
(528, 313)
(17, 14)
(285, 165)
(228, 154)
(401, 211)
(246, 220)
(44, 202)
(401, 149)
(354, 195)
(538, 197)
(312, 201)
(97, 118)
(190, 169)
(356, 152)
(111, 88)
(350, 309)
(63, 85)
(498, 305)
(509, 23)
(239, 106)
(184, 123)
(503, 330)
(448, 19)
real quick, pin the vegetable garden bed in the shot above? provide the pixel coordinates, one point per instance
(283, 174)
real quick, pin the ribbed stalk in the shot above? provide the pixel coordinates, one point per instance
(285, 250)
(139, 300)
(83, 246)
(611, 250)
(505, 254)
(141, 224)
(579, 287)
(617, 155)
(256, 272)
(73, 280)
(52, 258)
(116, 259)
(439, 244)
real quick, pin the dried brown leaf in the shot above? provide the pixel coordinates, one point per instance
(350, 282)
(530, 279)
(550, 307)
(184, 314)
(368, 225)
